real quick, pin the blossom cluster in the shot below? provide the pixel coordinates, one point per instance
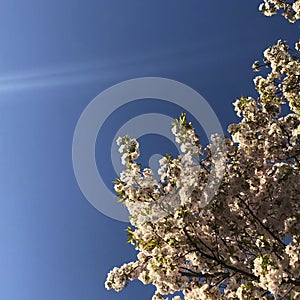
(290, 9)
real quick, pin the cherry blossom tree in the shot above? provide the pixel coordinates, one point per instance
(243, 240)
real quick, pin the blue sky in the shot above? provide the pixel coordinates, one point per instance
(55, 57)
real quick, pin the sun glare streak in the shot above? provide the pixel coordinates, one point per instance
(83, 72)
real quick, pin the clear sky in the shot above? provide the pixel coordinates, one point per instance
(55, 57)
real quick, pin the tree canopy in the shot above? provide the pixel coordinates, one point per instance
(242, 241)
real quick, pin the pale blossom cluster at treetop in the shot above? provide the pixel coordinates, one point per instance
(290, 9)
(243, 240)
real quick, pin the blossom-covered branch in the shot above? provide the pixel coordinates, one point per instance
(290, 9)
